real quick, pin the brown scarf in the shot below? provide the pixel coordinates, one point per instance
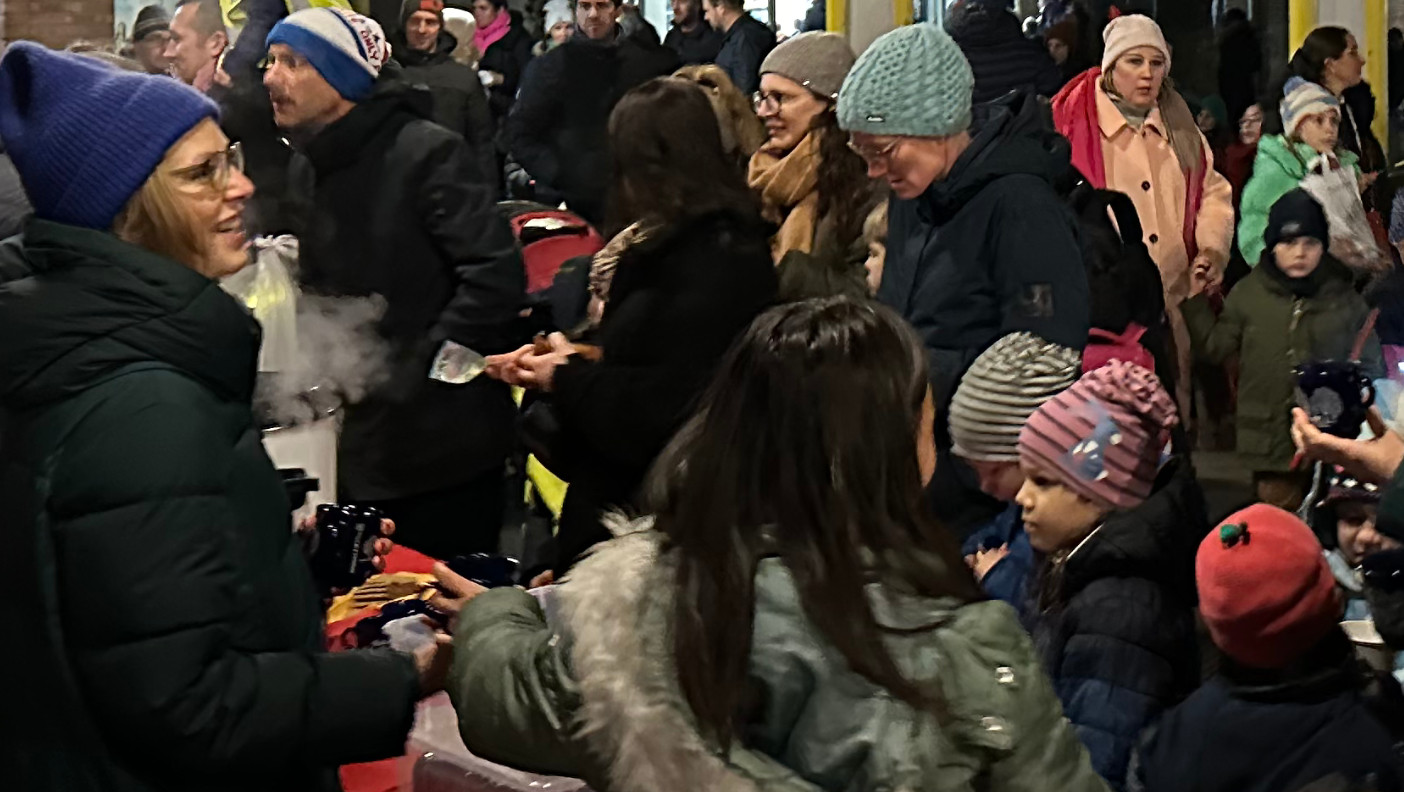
(788, 187)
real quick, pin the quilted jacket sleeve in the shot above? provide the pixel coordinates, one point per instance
(154, 571)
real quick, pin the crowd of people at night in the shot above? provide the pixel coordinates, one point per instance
(881, 386)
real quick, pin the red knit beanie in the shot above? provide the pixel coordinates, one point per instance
(1265, 590)
(1103, 437)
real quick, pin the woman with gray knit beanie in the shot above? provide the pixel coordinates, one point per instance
(808, 181)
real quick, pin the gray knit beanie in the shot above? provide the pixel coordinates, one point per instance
(817, 60)
(913, 81)
(1003, 387)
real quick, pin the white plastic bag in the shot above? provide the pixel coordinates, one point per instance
(266, 287)
(1336, 189)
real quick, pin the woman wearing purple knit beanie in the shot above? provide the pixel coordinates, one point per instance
(172, 638)
(1113, 605)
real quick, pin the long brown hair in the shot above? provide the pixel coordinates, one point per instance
(803, 448)
(669, 163)
(845, 191)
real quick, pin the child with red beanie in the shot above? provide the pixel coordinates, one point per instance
(1112, 616)
(1291, 705)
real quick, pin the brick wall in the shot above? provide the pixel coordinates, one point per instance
(58, 22)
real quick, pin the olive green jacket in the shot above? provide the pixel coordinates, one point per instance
(1272, 331)
(593, 694)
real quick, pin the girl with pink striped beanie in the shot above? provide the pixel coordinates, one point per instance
(1118, 525)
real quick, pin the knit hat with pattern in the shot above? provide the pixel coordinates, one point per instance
(85, 136)
(1266, 592)
(1302, 99)
(1003, 387)
(913, 81)
(818, 61)
(1103, 436)
(344, 47)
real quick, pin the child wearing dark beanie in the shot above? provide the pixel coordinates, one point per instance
(1291, 704)
(1298, 305)
(1112, 614)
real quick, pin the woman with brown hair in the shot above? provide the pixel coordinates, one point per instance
(809, 182)
(689, 269)
(173, 637)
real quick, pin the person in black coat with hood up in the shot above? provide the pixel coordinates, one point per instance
(559, 129)
(424, 50)
(684, 278)
(1003, 60)
(400, 210)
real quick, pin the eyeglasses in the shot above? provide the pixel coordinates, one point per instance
(872, 155)
(769, 102)
(214, 172)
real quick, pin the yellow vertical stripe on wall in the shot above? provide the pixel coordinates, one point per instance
(1375, 48)
(903, 12)
(1301, 20)
(836, 15)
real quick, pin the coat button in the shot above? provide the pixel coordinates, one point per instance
(1145, 185)
(1154, 238)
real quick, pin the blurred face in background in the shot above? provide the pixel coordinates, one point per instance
(1058, 50)
(789, 111)
(302, 99)
(1321, 131)
(1346, 71)
(686, 13)
(596, 18)
(1356, 534)
(560, 32)
(714, 14)
(1298, 258)
(150, 52)
(1138, 75)
(422, 31)
(189, 50)
(485, 13)
(1250, 127)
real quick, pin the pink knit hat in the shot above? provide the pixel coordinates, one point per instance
(1103, 436)
(1128, 32)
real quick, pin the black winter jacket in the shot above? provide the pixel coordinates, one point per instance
(508, 56)
(1001, 58)
(1250, 730)
(743, 49)
(161, 615)
(700, 46)
(559, 128)
(460, 103)
(992, 249)
(399, 209)
(1114, 621)
(677, 301)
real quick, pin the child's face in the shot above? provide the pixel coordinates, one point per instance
(1298, 258)
(877, 258)
(999, 480)
(1355, 531)
(1055, 517)
(1321, 131)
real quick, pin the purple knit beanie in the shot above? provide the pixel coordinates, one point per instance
(1103, 437)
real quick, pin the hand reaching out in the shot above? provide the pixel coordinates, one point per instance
(1373, 460)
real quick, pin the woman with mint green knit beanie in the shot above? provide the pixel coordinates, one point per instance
(914, 82)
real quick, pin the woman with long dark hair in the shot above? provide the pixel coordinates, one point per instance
(791, 619)
(688, 270)
(808, 180)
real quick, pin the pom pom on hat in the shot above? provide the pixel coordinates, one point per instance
(85, 136)
(1128, 32)
(1266, 592)
(913, 81)
(1005, 385)
(347, 49)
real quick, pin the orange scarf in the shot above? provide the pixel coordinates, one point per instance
(788, 187)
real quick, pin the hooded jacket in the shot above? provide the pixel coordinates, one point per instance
(559, 128)
(1114, 620)
(460, 103)
(1278, 169)
(1272, 331)
(593, 694)
(171, 636)
(991, 249)
(1002, 59)
(399, 209)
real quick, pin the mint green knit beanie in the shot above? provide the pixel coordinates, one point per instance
(913, 81)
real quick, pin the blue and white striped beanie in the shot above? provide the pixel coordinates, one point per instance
(1302, 99)
(347, 49)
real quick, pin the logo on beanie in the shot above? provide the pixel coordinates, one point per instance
(1292, 230)
(1087, 459)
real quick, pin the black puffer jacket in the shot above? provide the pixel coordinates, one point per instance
(399, 209)
(460, 103)
(171, 638)
(677, 301)
(1114, 621)
(1001, 58)
(1250, 730)
(559, 128)
(992, 249)
(508, 56)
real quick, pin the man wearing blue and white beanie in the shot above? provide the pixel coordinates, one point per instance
(399, 208)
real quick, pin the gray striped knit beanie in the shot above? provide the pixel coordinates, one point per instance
(1003, 387)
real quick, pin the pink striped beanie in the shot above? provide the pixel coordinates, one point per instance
(1103, 437)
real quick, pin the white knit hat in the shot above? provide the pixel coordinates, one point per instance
(1303, 99)
(1126, 33)
(558, 11)
(1003, 387)
(347, 49)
